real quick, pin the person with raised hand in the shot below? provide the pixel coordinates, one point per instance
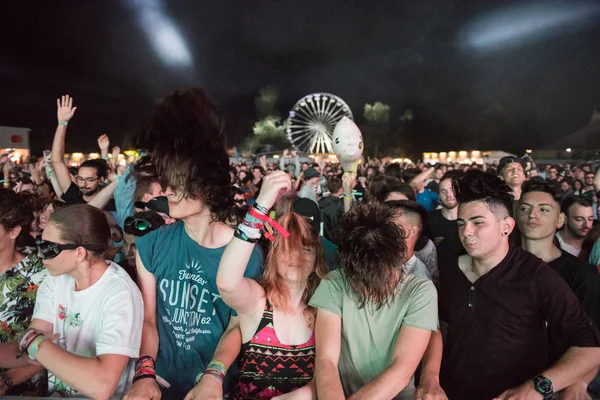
(274, 314)
(103, 144)
(91, 173)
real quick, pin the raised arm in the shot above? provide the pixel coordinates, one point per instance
(146, 388)
(597, 181)
(64, 113)
(103, 144)
(240, 293)
(422, 177)
(101, 199)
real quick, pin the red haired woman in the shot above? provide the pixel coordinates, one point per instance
(276, 322)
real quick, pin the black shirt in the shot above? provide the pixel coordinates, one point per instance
(74, 196)
(497, 332)
(583, 280)
(439, 226)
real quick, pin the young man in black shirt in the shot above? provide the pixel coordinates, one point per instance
(91, 173)
(538, 217)
(501, 304)
(442, 222)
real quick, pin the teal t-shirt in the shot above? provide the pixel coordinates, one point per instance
(191, 317)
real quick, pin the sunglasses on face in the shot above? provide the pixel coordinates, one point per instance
(86, 180)
(48, 250)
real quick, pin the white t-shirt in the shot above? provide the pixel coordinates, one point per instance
(428, 255)
(416, 267)
(567, 247)
(106, 318)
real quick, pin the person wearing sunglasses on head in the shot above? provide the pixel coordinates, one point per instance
(88, 316)
(20, 276)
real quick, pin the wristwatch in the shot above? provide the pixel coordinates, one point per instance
(543, 386)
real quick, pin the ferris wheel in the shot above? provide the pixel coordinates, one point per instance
(312, 119)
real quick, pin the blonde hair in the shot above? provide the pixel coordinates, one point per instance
(301, 236)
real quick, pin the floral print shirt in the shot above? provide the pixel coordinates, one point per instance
(18, 289)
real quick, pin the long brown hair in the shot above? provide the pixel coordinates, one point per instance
(301, 236)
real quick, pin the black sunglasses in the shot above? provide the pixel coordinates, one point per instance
(135, 226)
(48, 250)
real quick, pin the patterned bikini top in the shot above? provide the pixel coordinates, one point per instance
(268, 367)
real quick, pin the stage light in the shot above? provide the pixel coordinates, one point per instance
(168, 43)
(525, 23)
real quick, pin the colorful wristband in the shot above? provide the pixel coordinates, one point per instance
(242, 236)
(33, 348)
(63, 123)
(216, 373)
(261, 209)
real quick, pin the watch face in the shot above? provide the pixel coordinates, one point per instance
(543, 385)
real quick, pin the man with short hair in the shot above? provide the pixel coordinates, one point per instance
(411, 217)
(425, 197)
(579, 219)
(553, 173)
(434, 183)
(442, 222)
(538, 217)
(312, 180)
(588, 189)
(90, 174)
(332, 208)
(512, 170)
(502, 304)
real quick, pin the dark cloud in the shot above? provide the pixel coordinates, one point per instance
(408, 54)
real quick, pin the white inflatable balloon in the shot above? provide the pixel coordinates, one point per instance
(348, 144)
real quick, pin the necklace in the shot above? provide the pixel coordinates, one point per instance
(474, 269)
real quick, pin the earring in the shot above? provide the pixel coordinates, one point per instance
(505, 233)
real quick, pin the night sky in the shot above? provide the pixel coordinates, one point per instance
(512, 75)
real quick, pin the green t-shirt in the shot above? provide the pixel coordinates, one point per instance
(369, 335)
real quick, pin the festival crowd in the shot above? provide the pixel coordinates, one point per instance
(190, 275)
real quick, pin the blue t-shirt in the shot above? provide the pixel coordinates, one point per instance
(428, 199)
(191, 317)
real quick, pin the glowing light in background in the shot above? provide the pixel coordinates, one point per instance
(162, 32)
(526, 23)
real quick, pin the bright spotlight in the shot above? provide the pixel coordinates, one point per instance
(526, 23)
(168, 43)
